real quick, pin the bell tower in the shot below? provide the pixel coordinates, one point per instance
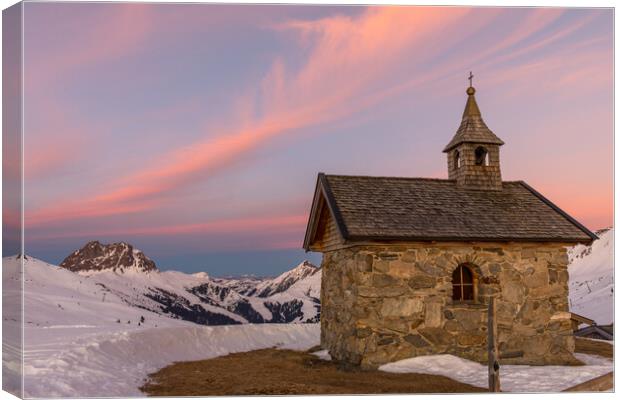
(473, 152)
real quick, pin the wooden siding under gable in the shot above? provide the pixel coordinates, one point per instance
(327, 235)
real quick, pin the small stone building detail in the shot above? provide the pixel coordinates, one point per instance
(409, 264)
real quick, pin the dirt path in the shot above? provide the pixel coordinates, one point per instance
(285, 372)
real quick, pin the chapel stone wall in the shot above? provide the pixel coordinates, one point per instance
(383, 303)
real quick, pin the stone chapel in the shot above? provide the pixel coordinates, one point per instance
(409, 264)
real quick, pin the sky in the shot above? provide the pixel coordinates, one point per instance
(196, 132)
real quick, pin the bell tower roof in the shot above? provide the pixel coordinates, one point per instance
(472, 128)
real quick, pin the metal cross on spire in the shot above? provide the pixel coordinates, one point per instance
(471, 78)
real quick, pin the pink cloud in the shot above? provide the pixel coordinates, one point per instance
(269, 224)
(321, 91)
(534, 22)
(352, 64)
(559, 72)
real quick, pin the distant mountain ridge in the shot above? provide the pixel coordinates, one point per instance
(121, 272)
(128, 274)
(269, 287)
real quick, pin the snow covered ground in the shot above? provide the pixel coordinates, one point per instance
(591, 279)
(513, 378)
(116, 364)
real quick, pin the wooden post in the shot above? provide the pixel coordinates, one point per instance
(492, 348)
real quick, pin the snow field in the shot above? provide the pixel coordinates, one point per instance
(513, 378)
(116, 365)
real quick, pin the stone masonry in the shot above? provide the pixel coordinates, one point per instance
(382, 303)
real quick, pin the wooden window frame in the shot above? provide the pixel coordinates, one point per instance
(460, 285)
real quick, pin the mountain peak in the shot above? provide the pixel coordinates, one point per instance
(307, 264)
(302, 270)
(284, 281)
(117, 257)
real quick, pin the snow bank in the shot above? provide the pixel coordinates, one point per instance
(513, 378)
(115, 365)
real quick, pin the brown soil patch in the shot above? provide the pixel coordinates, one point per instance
(286, 372)
(583, 345)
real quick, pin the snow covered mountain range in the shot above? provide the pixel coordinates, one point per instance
(117, 276)
(591, 278)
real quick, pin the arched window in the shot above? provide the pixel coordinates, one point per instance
(482, 156)
(462, 284)
(457, 159)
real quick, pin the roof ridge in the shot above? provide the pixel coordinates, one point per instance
(391, 177)
(420, 178)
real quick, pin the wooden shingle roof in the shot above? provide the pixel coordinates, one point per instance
(419, 209)
(473, 129)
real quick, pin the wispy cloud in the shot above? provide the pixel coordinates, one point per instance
(349, 63)
(270, 224)
(348, 55)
